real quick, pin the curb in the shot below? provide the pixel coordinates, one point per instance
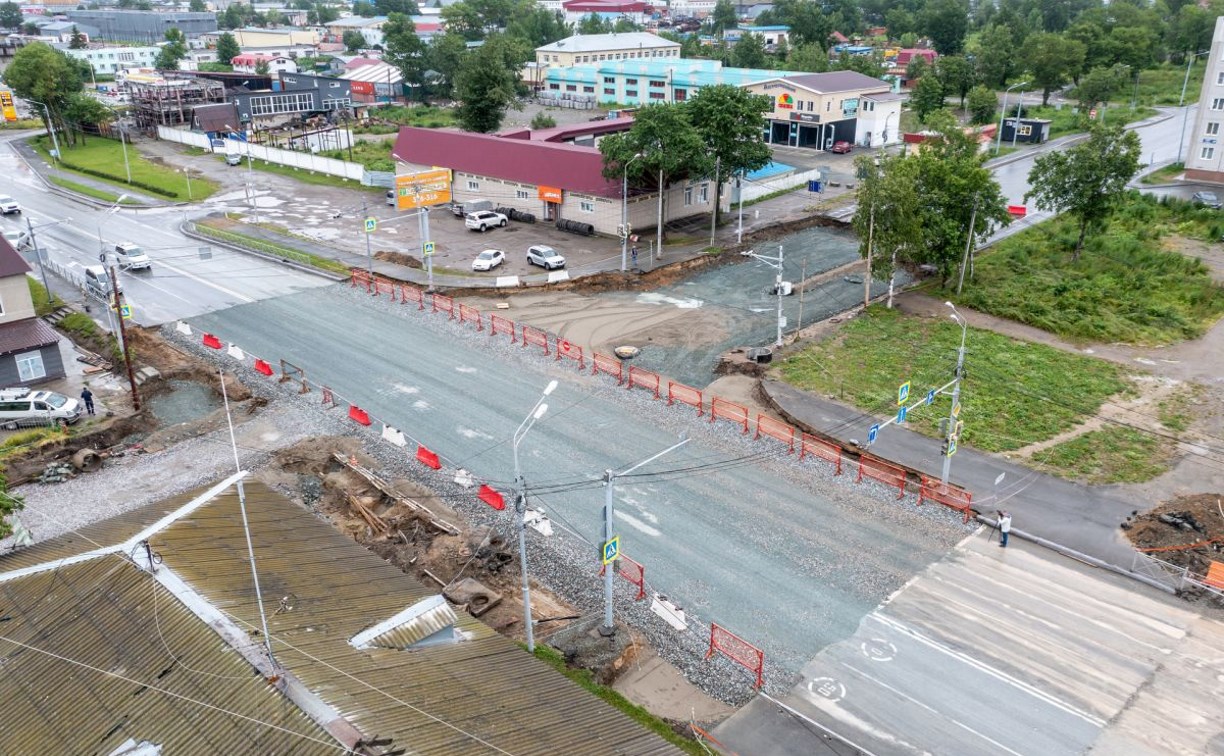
(185, 231)
(84, 199)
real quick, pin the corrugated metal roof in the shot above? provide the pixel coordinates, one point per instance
(442, 699)
(30, 333)
(181, 686)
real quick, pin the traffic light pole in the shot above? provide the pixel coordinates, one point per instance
(953, 412)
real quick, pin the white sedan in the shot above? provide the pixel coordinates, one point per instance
(489, 259)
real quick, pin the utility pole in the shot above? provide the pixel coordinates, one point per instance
(739, 231)
(609, 529)
(802, 280)
(365, 221)
(968, 245)
(42, 265)
(520, 506)
(954, 411)
(776, 264)
(714, 215)
(127, 353)
(870, 249)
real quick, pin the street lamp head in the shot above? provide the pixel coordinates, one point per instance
(539, 413)
(949, 304)
(551, 387)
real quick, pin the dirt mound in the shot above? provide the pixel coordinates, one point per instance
(398, 258)
(1187, 531)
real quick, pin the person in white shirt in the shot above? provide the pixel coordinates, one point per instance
(1004, 527)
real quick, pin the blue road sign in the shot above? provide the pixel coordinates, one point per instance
(370, 225)
(951, 446)
(930, 399)
(903, 393)
(428, 248)
(611, 550)
(872, 433)
(901, 415)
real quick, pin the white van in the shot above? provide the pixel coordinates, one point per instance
(98, 283)
(131, 257)
(22, 407)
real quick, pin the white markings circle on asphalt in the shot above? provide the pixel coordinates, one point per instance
(878, 649)
(827, 687)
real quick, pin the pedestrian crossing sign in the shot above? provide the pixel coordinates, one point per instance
(611, 550)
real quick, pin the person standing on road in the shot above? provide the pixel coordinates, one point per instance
(635, 257)
(1004, 527)
(87, 397)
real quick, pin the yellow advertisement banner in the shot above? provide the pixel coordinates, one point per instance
(6, 103)
(422, 189)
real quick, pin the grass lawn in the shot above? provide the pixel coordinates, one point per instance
(90, 191)
(44, 304)
(306, 177)
(1163, 85)
(375, 156)
(1113, 454)
(1002, 396)
(21, 125)
(226, 230)
(1065, 121)
(105, 156)
(389, 119)
(1126, 287)
(1164, 175)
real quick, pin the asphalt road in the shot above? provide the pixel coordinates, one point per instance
(180, 284)
(788, 557)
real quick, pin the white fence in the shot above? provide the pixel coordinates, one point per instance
(304, 160)
(755, 189)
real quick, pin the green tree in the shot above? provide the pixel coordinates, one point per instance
(983, 105)
(83, 111)
(945, 23)
(671, 150)
(387, 7)
(405, 50)
(1100, 85)
(352, 40)
(321, 14)
(365, 9)
(474, 19)
(538, 26)
(227, 48)
(1051, 60)
(624, 25)
(592, 23)
(445, 55)
(994, 55)
(77, 41)
(10, 15)
(887, 218)
(262, 68)
(728, 119)
(749, 52)
(542, 120)
(1086, 180)
(41, 73)
(172, 52)
(273, 18)
(29, 28)
(809, 57)
(232, 18)
(955, 72)
(807, 20)
(485, 87)
(868, 65)
(723, 17)
(927, 97)
(197, 6)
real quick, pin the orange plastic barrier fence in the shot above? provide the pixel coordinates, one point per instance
(535, 337)
(602, 363)
(736, 413)
(382, 285)
(572, 351)
(678, 392)
(819, 448)
(738, 650)
(643, 378)
(328, 396)
(631, 571)
(358, 415)
(498, 324)
(953, 497)
(1215, 575)
(212, 342)
(471, 315)
(445, 304)
(889, 475)
(413, 294)
(774, 429)
(361, 278)
(492, 497)
(428, 458)
(262, 367)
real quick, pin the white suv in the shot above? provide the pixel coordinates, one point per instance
(544, 256)
(484, 220)
(131, 257)
(8, 205)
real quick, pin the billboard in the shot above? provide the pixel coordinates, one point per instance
(413, 190)
(6, 104)
(362, 87)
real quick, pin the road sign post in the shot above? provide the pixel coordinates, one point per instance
(873, 433)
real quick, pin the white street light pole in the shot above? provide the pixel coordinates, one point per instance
(1003, 114)
(42, 260)
(50, 128)
(520, 506)
(739, 231)
(1182, 102)
(123, 143)
(776, 264)
(884, 141)
(953, 412)
(1016, 128)
(625, 214)
(609, 628)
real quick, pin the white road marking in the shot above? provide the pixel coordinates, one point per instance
(637, 524)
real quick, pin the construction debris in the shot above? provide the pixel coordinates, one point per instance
(57, 472)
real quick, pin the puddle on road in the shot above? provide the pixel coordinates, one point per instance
(182, 402)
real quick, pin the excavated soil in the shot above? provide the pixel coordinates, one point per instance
(1187, 531)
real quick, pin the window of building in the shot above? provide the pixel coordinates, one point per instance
(1217, 103)
(609, 80)
(554, 86)
(571, 87)
(522, 194)
(1220, 78)
(1208, 153)
(658, 95)
(688, 195)
(681, 95)
(611, 91)
(586, 206)
(588, 90)
(601, 56)
(282, 103)
(631, 82)
(657, 84)
(799, 104)
(30, 366)
(810, 104)
(631, 93)
(127, 56)
(828, 106)
(703, 196)
(1213, 127)
(473, 186)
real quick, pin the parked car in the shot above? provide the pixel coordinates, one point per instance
(391, 199)
(1208, 199)
(19, 238)
(841, 147)
(131, 257)
(484, 220)
(21, 406)
(233, 158)
(462, 209)
(544, 256)
(98, 283)
(8, 205)
(489, 259)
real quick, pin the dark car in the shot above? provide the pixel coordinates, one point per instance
(841, 148)
(1207, 199)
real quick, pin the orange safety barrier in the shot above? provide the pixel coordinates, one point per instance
(471, 315)
(736, 413)
(328, 396)
(877, 469)
(678, 392)
(643, 378)
(535, 337)
(953, 497)
(445, 304)
(212, 342)
(262, 367)
(428, 458)
(382, 284)
(413, 294)
(820, 448)
(358, 415)
(601, 363)
(774, 429)
(738, 650)
(631, 571)
(490, 496)
(1215, 575)
(573, 351)
(360, 278)
(498, 324)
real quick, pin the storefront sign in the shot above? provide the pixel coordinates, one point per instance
(805, 117)
(362, 87)
(549, 193)
(850, 107)
(6, 103)
(785, 101)
(413, 190)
